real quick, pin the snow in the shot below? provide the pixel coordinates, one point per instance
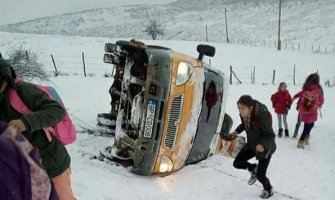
(303, 21)
(136, 111)
(295, 173)
(303, 174)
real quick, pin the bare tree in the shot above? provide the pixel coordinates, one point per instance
(154, 28)
(26, 65)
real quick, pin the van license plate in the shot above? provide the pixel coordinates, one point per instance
(149, 121)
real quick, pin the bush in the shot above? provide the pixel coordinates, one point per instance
(26, 65)
(154, 28)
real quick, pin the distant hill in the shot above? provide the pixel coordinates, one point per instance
(305, 21)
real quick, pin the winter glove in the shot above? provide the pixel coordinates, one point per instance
(18, 125)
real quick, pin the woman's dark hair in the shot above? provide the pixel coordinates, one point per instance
(6, 73)
(312, 79)
(246, 100)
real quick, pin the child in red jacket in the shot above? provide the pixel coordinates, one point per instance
(281, 102)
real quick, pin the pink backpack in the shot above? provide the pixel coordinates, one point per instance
(64, 130)
(310, 101)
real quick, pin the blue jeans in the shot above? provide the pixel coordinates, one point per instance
(282, 118)
(297, 125)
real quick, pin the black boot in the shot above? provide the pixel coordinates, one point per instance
(253, 176)
(280, 133)
(266, 194)
(286, 133)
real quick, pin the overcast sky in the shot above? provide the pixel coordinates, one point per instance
(13, 11)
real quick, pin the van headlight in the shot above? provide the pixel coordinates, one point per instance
(184, 73)
(166, 165)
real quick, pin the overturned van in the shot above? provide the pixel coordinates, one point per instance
(167, 107)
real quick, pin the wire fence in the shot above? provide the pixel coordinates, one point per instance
(285, 45)
(274, 75)
(76, 65)
(83, 65)
(304, 47)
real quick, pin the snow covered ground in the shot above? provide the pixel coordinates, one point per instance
(295, 174)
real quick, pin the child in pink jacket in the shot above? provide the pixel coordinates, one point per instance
(297, 125)
(311, 101)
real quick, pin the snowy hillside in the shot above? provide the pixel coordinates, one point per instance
(295, 174)
(303, 21)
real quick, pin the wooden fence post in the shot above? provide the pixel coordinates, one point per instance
(274, 77)
(206, 33)
(294, 74)
(53, 60)
(27, 56)
(239, 81)
(231, 75)
(225, 14)
(254, 77)
(83, 56)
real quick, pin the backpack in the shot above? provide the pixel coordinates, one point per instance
(21, 174)
(309, 101)
(64, 130)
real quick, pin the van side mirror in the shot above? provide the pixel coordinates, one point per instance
(206, 50)
(110, 48)
(109, 58)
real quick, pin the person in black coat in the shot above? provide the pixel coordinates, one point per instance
(257, 123)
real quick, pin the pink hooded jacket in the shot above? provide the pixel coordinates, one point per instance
(311, 117)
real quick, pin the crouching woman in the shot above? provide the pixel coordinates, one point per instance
(257, 123)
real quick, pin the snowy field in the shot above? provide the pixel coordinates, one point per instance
(295, 174)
